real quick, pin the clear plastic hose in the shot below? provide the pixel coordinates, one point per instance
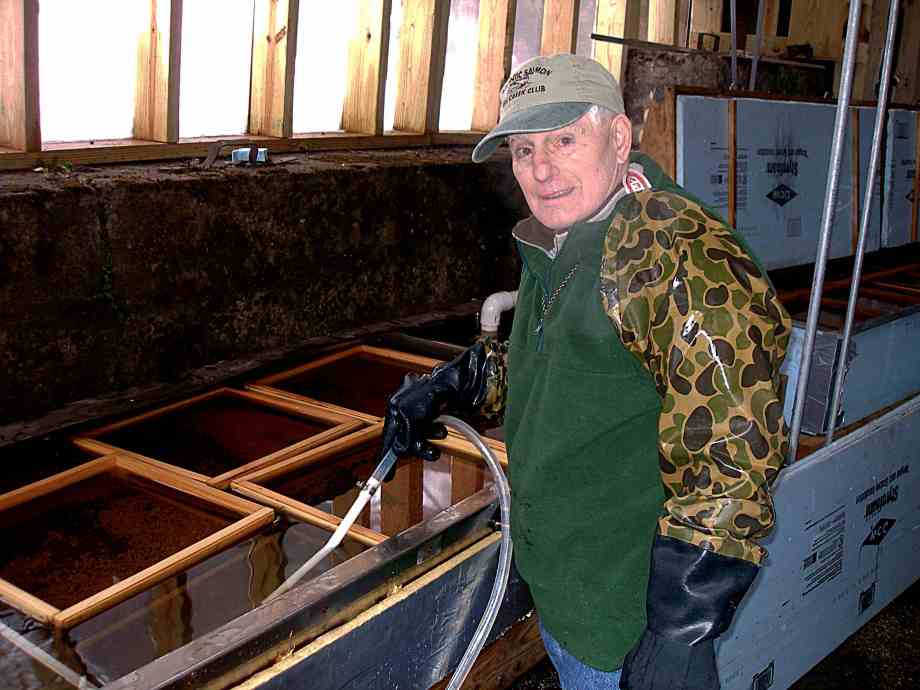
(504, 552)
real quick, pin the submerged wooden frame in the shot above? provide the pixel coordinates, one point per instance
(453, 442)
(265, 385)
(408, 479)
(254, 517)
(342, 425)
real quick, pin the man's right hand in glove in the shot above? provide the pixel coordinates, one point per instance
(457, 387)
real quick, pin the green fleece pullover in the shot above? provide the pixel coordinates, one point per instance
(642, 392)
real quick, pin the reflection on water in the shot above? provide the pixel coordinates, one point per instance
(170, 614)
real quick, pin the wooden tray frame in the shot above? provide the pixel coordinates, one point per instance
(408, 479)
(254, 517)
(266, 386)
(343, 425)
(454, 442)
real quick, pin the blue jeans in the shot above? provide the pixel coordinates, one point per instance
(573, 674)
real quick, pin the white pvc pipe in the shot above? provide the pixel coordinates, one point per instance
(492, 309)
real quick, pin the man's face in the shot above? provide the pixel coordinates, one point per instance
(567, 174)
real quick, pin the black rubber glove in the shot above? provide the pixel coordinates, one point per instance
(692, 597)
(457, 387)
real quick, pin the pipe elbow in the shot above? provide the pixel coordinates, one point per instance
(492, 309)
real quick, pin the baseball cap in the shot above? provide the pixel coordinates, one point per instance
(547, 93)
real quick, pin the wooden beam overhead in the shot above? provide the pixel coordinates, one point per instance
(662, 21)
(367, 68)
(560, 26)
(20, 124)
(422, 49)
(156, 108)
(493, 60)
(271, 85)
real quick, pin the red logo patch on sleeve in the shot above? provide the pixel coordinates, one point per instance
(634, 181)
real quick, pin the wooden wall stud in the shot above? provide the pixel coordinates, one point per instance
(611, 19)
(662, 21)
(156, 108)
(274, 48)
(560, 26)
(705, 17)
(422, 50)
(20, 124)
(367, 69)
(493, 60)
(658, 137)
(732, 162)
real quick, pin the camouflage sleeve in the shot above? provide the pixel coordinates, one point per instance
(691, 305)
(496, 378)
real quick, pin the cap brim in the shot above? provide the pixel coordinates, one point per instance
(538, 118)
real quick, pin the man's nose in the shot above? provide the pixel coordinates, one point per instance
(543, 168)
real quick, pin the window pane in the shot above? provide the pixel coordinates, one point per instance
(586, 11)
(460, 65)
(216, 59)
(87, 67)
(528, 25)
(321, 73)
(389, 106)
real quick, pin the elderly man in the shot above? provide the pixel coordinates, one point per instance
(644, 356)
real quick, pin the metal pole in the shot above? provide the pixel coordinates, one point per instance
(734, 19)
(827, 221)
(758, 36)
(880, 117)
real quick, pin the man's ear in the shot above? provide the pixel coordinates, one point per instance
(621, 131)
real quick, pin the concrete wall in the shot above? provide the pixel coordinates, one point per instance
(117, 277)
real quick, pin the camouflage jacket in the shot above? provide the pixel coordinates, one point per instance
(689, 302)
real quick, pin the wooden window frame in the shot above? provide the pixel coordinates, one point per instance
(253, 518)
(20, 124)
(419, 86)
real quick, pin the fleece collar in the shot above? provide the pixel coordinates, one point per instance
(534, 234)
